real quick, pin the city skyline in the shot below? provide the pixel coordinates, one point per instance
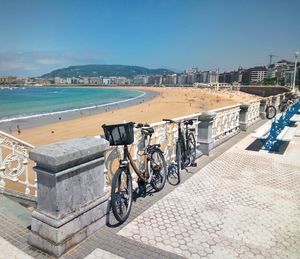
(38, 37)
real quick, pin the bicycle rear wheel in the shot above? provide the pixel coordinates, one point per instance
(121, 194)
(173, 174)
(159, 167)
(270, 112)
(282, 106)
(174, 168)
(191, 148)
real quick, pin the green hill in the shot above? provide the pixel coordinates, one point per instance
(105, 70)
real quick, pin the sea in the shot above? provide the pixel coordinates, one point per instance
(31, 102)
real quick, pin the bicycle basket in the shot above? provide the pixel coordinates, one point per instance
(119, 134)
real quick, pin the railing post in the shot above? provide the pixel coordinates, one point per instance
(71, 202)
(281, 98)
(262, 108)
(244, 116)
(275, 101)
(205, 132)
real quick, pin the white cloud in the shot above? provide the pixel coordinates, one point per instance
(35, 63)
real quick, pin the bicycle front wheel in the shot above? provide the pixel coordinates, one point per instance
(270, 112)
(121, 194)
(158, 166)
(192, 148)
(178, 160)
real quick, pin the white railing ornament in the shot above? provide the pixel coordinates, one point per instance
(14, 165)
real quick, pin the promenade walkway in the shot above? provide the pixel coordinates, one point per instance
(240, 202)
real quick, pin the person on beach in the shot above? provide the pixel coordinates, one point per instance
(18, 129)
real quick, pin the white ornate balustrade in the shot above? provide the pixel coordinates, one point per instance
(253, 111)
(165, 134)
(225, 121)
(16, 172)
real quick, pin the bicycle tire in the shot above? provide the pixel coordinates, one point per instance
(270, 112)
(172, 176)
(119, 196)
(191, 148)
(178, 160)
(159, 170)
(282, 106)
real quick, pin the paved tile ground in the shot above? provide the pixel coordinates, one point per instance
(244, 204)
(15, 233)
(10, 251)
(221, 210)
(102, 254)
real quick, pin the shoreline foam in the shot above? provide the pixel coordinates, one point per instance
(31, 116)
(32, 121)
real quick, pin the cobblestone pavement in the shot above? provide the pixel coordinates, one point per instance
(244, 204)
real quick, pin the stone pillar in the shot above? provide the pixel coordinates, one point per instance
(244, 116)
(262, 108)
(71, 202)
(205, 132)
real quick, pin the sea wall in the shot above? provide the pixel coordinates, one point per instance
(264, 91)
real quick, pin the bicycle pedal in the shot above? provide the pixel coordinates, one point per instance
(194, 164)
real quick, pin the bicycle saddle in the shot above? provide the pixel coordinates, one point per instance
(189, 122)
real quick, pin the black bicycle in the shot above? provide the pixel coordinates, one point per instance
(270, 111)
(185, 150)
(286, 103)
(154, 172)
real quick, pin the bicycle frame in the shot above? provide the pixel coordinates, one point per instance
(146, 175)
(184, 141)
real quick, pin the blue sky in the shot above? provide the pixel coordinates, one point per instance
(37, 36)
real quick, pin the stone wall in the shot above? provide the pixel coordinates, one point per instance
(264, 91)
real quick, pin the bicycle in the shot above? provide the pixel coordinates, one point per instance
(185, 150)
(286, 103)
(154, 161)
(270, 111)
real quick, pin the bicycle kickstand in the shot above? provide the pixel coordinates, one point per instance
(194, 164)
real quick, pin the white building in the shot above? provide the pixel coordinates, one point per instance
(106, 81)
(258, 75)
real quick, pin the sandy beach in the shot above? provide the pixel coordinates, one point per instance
(168, 103)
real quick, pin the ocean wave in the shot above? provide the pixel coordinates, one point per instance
(24, 117)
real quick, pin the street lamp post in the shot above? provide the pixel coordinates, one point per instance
(295, 70)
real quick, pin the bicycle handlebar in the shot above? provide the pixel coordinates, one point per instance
(188, 121)
(141, 125)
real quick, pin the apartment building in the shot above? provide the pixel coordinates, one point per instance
(254, 75)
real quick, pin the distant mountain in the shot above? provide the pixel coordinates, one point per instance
(105, 70)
